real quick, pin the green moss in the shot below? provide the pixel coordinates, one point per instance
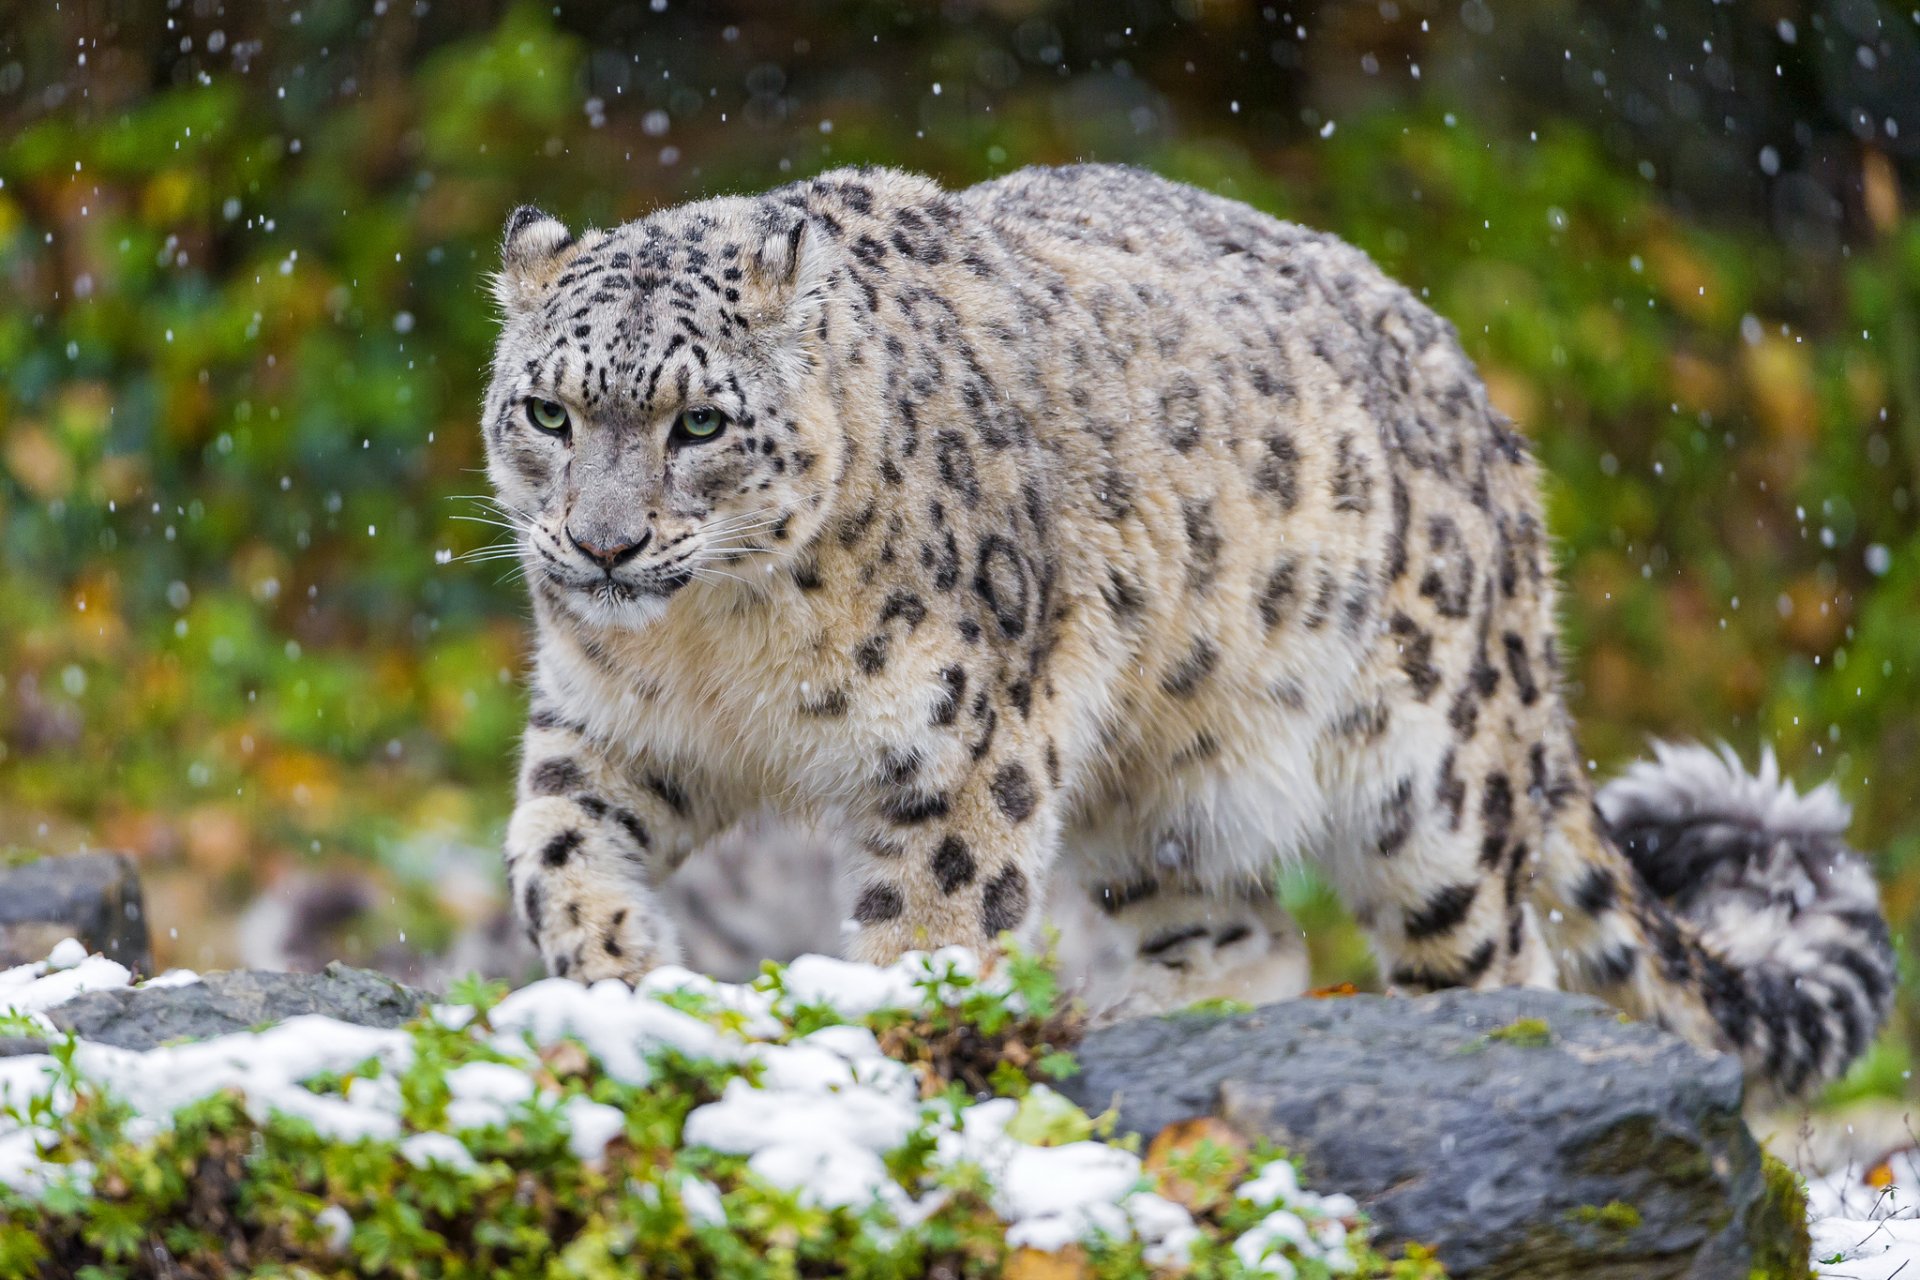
(1218, 1007)
(1615, 1215)
(1528, 1033)
(1777, 1225)
(15, 855)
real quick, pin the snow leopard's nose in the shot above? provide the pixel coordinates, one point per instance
(608, 552)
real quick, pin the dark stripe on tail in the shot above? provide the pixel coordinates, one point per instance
(1750, 898)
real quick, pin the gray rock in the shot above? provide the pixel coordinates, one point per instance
(1611, 1149)
(226, 1002)
(94, 897)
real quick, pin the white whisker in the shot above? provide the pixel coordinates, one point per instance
(498, 524)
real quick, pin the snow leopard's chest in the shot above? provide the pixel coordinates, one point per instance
(772, 702)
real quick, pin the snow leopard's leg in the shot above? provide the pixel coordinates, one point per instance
(589, 839)
(953, 850)
(1179, 943)
(1441, 846)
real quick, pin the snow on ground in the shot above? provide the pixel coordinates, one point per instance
(824, 1111)
(1866, 1224)
(827, 1108)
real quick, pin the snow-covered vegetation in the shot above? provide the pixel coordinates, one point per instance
(830, 1118)
(1866, 1222)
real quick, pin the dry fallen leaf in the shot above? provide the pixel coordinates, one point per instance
(1174, 1144)
(1333, 992)
(565, 1059)
(1036, 1264)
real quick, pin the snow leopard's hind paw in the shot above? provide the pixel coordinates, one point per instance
(1167, 949)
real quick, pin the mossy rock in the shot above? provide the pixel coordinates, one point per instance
(1521, 1134)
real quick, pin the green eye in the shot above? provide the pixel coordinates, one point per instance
(699, 424)
(548, 415)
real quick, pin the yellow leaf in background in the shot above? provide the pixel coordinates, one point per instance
(263, 570)
(1866, 386)
(1880, 1177)
(1779, 378)
(1037, 1264)
(187, 409)
(1601, 333)
(98, 630)
(1880, 191)
(393, 678)
(217, 838)
(1745, 683)
(1614, 681)
(167, 198)
(1513, 395)
(443, 810)
(1687, 281)
(448, 708)
(1697, 384)
(82, 411)
(160, 685)
(118, 477)
(38, 462)
(1816, 615)
(309, 782)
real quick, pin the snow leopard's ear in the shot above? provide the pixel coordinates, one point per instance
(789, 261)
(533, 243)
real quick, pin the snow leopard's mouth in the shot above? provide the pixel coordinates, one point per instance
(652, 583)
(610, 601)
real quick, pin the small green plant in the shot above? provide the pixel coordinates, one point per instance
(477, 993)
(1527, 1033)
(22, 1025)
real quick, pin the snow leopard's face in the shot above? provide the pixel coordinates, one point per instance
(656, 417)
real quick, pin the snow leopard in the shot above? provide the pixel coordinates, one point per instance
(1083, 523)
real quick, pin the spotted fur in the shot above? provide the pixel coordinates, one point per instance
(1078, 517)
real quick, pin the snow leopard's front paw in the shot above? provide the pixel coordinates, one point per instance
(582, 894)
(607, 941)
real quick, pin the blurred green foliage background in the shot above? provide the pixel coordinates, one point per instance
(244, 327)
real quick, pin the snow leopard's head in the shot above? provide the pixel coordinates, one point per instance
(657, 415)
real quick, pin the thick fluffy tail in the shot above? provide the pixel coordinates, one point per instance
(1762, 906)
